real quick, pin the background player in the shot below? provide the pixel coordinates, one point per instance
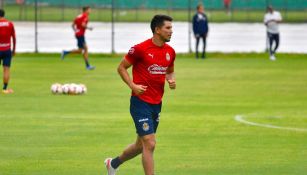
(271, 20)
(153, 62)
(200, 29)
(227, 4)
(7, 32)
(79, 26)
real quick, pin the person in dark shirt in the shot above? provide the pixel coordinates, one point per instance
(200, 28)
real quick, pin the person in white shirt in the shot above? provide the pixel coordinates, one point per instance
(271, 19)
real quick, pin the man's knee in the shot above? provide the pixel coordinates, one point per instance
(79, 50)
(149, 143)
(6, 69)
(85, 47)
(139, 146)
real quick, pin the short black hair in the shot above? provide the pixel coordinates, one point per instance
(158, 21)
(2, 13)
(85, 8)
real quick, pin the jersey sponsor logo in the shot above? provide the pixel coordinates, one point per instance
(4, 24)
(145, 126)
(167, 56)
(156, 69)
(4, 44)
(131, 50)
(151, 55)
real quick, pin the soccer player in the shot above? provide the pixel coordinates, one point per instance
(7, 34)
(271, 19)
(152, 63)
(227, 4)
(79, 26)
(200, 28)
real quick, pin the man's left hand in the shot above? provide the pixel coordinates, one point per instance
(172, 83)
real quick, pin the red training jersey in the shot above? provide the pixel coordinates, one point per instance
(150, 63)
(227, 2)
(7, 31)
(79, 20)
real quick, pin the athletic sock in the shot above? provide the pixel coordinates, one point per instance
(115, 162)
(66, 52)
(5, 86)
(87, 63)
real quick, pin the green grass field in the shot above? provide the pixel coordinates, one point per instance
(56, 14)
(42, 133)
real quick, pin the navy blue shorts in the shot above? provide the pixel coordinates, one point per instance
(145, 116)
(80, 42)
(6, 58)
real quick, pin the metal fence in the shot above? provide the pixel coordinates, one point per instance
(115, 11)
(169, 4)
(142, 10)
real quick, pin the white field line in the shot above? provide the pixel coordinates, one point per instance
(240, 119)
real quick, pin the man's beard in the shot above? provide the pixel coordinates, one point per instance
(167, 40)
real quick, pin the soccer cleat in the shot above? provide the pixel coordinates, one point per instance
(7, 91)
(90, 67)
(63, 54)
(110, 169)
(272, 58)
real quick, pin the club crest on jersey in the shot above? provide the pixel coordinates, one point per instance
(145, 126)
(167, 56)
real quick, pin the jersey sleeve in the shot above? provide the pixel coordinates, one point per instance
(85, 20)
(13, 34)
(194, 23)
(134, 54)
(75, 20)
(173, 58)
(279, 16)
(265, 19)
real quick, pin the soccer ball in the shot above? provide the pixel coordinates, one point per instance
(72, 89)
(56, 88)
(60, 90)
(65, 88)
(78, 89)
(83, 87)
